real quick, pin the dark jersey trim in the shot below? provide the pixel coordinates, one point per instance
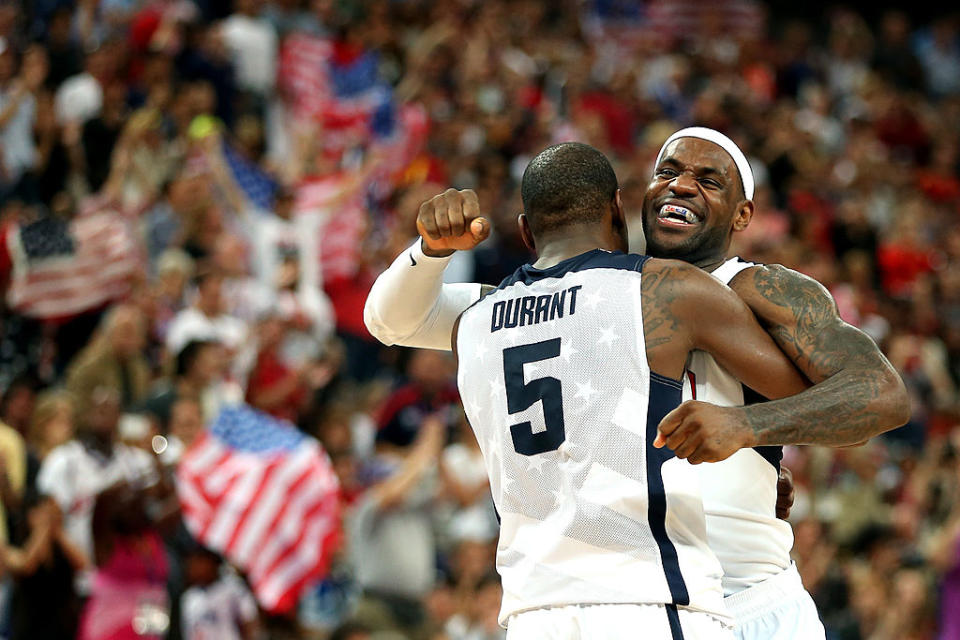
(663, 398)
(595, 259)
(771, 453)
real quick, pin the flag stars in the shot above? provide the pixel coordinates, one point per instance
(537, 462)
(607, 337)
(557, 497)
(511, 338)
(593, 300)
(481, 351)
(585, 391)
(495, 386)
(567, 351)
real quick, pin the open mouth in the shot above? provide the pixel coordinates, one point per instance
(675, 215)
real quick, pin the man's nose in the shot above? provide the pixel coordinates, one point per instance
(684, 185)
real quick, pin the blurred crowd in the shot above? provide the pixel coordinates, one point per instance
(197, 195)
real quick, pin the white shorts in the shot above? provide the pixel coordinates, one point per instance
(616, 622)
(778, 608)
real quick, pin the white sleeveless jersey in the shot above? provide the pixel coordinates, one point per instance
(554, 379)
(739, 493)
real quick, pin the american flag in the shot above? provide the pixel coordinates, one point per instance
(343, 91)
(264, 495)
(255, 183)
(60, 268)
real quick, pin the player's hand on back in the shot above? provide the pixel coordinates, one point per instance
(703, 432)
(784, 493)
(451, 221)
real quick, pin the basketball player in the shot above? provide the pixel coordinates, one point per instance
(600, 533)
(858, 395)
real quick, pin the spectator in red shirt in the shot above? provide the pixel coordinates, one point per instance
(274, 386)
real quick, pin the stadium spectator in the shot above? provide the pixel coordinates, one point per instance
(207, 319)
(128, 595)
(52, 424)
(218, 604)
(18, 401)
(430, 391)
(113, 360)
(19, 93)
(199, 376)
(43, 561)
(74, 473)
(391, 539)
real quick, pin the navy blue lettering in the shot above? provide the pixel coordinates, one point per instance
(556, 307)
(573, 298)
(508, 321)
(496, 321)
(526, 312)
(543, 308)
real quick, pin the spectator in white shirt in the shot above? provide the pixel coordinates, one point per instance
(80, 97)
(75, 472)
(18, 111)
(252, 41)
(207, 319)
(218, 605)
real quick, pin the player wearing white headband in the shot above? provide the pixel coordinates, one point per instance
(700, 194)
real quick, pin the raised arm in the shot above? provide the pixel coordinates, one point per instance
(409, 304)
(858, 393)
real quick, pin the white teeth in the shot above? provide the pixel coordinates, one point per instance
(678, 212)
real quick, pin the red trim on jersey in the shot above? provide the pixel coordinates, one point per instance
(693, 384)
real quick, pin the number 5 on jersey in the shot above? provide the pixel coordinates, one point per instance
(521, 395)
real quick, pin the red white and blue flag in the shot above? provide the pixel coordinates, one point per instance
(59, 268)
(338, 86)
(263, 494)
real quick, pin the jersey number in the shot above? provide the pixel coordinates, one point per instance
(521, 395)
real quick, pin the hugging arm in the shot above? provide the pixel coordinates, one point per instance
(858, 394)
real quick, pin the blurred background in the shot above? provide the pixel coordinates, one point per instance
(197, 195)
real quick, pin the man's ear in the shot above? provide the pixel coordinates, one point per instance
(526, 233)
(743, 216)
(619, 217)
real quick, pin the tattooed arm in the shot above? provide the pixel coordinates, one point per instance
(685, 308)
(857, 393)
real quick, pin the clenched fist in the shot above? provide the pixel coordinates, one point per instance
(703, 432)
(451, 221)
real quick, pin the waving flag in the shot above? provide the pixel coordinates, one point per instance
(254, 181)
(60, 268)
(264, 495)
(338, 86)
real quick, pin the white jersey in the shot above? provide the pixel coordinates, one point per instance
(739, 493)
(555, 382)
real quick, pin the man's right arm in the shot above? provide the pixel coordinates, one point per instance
(409, 305)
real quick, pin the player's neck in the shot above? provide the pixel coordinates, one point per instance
(711, 263)
(552, 249)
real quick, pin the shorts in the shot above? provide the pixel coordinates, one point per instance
(616, 622)
(778, 608)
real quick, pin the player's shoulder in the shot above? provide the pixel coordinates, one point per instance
(779, 295)
(775, 282)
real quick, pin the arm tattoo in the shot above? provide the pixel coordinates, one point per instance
(659, 289)
(858, 394)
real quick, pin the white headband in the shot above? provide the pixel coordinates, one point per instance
(728, 145)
